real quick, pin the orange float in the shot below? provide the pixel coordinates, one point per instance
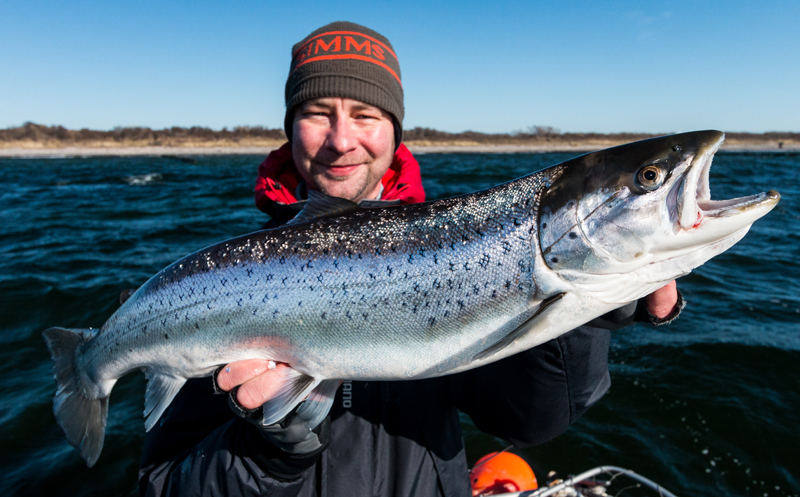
(499, 473)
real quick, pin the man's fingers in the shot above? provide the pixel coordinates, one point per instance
(254, 392)
(662, 302)
(239, 372)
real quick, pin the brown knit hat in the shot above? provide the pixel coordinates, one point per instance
(344, 59)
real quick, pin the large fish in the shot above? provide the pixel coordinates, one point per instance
(412, 291)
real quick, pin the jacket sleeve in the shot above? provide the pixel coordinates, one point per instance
(199, 447)
(534, 396)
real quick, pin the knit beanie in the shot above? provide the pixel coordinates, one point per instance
(347, 60)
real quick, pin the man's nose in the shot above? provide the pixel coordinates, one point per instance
(341, 136)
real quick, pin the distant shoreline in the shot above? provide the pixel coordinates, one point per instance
(156, 151)
(36, 140)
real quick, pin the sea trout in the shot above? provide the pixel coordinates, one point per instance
(411, 291)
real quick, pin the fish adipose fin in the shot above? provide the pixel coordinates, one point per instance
(318, 403)
(321, 205)
(83, 419)
(294, 387)
(161, 389)
(521, 330)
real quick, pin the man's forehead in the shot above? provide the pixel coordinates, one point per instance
(333, 102)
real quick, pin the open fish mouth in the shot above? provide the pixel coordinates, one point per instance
(694, 194)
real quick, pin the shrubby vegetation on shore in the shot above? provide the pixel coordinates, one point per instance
(31, 135)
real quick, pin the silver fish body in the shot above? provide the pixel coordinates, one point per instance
(411, 291)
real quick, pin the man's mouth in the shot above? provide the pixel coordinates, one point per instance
(339, 169)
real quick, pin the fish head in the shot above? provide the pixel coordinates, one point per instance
(641, 204)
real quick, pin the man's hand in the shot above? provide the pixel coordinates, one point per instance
(662, 302)
(255, 378)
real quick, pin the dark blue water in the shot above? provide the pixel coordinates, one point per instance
(707, 406)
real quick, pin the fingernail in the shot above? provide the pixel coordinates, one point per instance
(228, 370)
(271, 365)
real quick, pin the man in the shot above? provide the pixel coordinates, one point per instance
(344, 102)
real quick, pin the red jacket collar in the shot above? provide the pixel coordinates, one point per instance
(278, 178)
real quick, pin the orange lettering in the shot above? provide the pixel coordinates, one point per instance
(377, 51)
(327, 46)
(349, 39)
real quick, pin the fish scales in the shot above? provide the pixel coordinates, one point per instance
(411, 291)
(401, 286)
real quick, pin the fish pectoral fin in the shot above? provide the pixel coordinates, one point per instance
(293, 387)
(519, 331)
(161, 389)
(321, 205)
(318, 403)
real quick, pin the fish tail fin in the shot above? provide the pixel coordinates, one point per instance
(82, 418)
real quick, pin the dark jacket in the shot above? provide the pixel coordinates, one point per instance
(384, 438)
(392, 439)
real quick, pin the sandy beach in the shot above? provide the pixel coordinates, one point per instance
(65, 152)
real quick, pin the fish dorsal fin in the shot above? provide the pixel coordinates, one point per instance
(321, 205)
(519, 331)
(161, 389)
(293, 387)
(318, 403)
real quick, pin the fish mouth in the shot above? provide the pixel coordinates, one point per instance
(694, 204)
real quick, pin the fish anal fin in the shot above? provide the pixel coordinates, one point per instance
(161, 389)
(321, 205)
(520, 330)
(293, 387)
(318, 403)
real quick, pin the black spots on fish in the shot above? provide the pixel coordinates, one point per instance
(249, 272)
(431, 321)
(476, 289)
(422, 252)
(484, 260)
(325, 251)
(466, 266)
(389, 270)
(275, 313)
(283, 280)
(441, 245)
(323, 315)
(310, 288)
(405, 275)
(255, 311)
(452, 245)
(572, 235)
(554, 260)
(223, 282)
(166, 337)
(464, 238)
(164, 322)
(414, 309)
(282, 260)
(452, 266)
(364, 315)
(372, 276)
(416, 287)
(204, 290)
(239, 302)
(411, 258)
(460, 303)
(393, 248)
(494, 294)
(349, 316)
(544, 225)
(300, 304)
(196, 326)
(319, 277)
(336, 264)
(435, 258)
(436, 285)
(507, 284)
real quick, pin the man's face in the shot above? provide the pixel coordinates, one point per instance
(342, 147)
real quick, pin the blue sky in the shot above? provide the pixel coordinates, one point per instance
(500, 66)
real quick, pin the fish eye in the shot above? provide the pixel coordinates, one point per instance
(650, 177)
(677, 148)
